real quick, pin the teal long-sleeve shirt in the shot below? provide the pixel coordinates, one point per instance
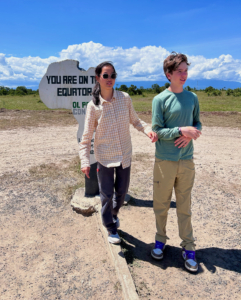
(170, 111)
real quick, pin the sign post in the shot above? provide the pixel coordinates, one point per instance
(65, 85)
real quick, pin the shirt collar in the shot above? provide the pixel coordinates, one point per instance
(103, 100)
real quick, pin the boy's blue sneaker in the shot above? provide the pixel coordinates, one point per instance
(157, 252)
(190, 260)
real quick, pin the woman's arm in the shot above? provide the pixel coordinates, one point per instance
(85, 144)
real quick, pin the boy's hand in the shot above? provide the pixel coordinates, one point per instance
(191, 132)
(86, 171)
(153, 136)
(182, 141)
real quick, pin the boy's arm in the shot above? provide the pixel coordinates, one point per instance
(183, 141)
(169, 133)
(158, 124)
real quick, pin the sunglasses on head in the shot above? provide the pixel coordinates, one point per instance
(112, 76)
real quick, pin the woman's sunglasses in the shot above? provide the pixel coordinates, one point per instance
(112, 76)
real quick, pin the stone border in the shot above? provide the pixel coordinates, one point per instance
(122, 270)
(89, 205)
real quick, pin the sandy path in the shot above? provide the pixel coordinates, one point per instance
(50, 252)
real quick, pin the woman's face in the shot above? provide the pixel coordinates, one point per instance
(106, 84)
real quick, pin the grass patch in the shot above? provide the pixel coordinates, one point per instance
(221, 119)
(12, 119)
(29, 111)
(29, 102)
(117, 286)
(141, 103)
(64, 169)
(218, 103)
(207, 103)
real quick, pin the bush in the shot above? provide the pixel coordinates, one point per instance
(209, 89)
(235, 92)
(215, 93)
(21, 90)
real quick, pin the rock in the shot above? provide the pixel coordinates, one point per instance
(84, 205)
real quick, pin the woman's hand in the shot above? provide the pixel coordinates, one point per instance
(153, 136)
(86, 171)
(182, 141)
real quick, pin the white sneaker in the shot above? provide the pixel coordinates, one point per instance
(113, 238)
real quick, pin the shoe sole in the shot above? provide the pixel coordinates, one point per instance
(189, 269)
(157, 258)
(114, 242)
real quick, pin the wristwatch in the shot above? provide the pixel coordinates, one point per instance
(180, 131)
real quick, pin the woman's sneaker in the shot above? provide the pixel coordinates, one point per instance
(157, 252)
(113, 237)
(190, 260)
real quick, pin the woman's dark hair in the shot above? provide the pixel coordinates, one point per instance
(96, 90)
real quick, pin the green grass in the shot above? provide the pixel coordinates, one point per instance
(141, 104)
(219, 103)
(28, 102)
(212, 103)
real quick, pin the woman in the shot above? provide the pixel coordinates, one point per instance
(109, 113)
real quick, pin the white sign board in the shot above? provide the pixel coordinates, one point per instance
(65, 85)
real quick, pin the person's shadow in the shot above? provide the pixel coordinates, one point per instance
(146, 203)
(229, 259)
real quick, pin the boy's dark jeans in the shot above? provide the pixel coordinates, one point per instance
(113, 185)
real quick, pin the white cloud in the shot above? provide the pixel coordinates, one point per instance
(225, 67)
(133, 64)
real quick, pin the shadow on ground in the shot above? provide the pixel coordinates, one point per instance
(146, 203)
(135, 249)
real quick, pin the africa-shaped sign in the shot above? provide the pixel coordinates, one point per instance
(65, 85)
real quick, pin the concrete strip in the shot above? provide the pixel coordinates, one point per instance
(123, 273)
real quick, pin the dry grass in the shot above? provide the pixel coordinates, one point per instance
(221, 119)
(64, 169)
(12, 119)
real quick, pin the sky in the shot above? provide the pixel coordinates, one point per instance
(136, 35)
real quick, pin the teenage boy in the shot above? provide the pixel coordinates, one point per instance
(175, 119)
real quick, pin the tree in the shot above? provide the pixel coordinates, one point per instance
(21, 90)
(188, 88)
(132, 90)
(167, 84)
(156, 88)
(123, 88)
(209, 89)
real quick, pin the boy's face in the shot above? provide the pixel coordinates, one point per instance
(179, 76)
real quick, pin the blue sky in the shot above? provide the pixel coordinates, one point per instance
(135, 35)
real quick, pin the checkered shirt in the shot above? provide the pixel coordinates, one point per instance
(110, 120)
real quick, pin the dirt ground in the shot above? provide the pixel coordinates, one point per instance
(48, 251)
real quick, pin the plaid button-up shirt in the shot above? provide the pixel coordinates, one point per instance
(111, 122)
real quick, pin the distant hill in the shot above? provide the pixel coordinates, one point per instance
(198, 84)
